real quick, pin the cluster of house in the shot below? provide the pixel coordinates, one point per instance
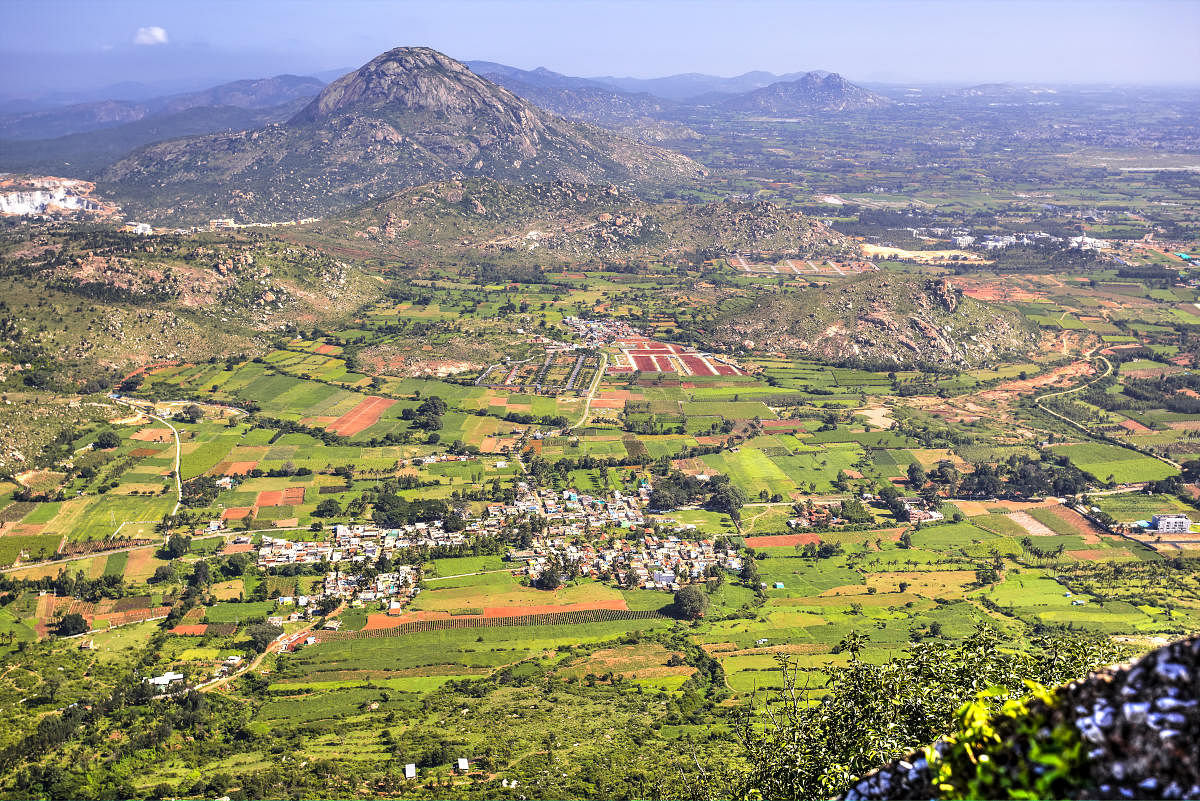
(357, 544)
(398, 585)
(1001, 241)
(599, 332)
(650, 562)
(916, 512)
(569, 513)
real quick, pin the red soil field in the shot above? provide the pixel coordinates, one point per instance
(142, 452)
(152, 435)
(696, 365)
(286, 497)
(781, 540)
(1077, 522)
(1098, 554)
(362, 416)
(235, 468)
(646, 364)
(325, 348)
(237, 513)
(725, 369)
(517, 611)
(190, 630)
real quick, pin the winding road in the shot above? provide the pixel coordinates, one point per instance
(178, 447)
(1108, 368)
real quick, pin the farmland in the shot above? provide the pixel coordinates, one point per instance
(570, 516)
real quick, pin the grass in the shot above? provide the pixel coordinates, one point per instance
(1113, 463)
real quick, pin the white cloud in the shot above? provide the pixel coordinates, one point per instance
(150, 35)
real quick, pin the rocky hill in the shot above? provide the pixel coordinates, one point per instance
(880, 319)
(565, 221)
(409, 116)
(815, 91)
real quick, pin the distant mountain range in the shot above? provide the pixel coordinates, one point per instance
(409, 116)
(689, 85)
(82, 117)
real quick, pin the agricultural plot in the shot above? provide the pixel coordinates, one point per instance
(1113, 463)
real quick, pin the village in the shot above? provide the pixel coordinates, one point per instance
(571, 536)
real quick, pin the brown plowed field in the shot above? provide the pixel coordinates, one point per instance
(285, 497)
(362, 416)
(1077, 523)
(781, 540)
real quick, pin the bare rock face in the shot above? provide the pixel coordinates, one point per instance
(1126, 732)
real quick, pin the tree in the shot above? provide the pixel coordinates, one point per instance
(549, 579)
(916, 475)
(177, 545)
(162, 573)
(71, 624)
(108, 440)
(328, 508)
(261, 635)
(690, 603)
(192, 413)
(807, 750)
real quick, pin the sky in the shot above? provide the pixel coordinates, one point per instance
(51, 46)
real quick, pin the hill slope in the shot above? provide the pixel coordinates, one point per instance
(569, 221)
(882, 319)
(815, 91)
(409, 116)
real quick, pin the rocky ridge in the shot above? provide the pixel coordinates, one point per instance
(879, 318)
(568, 221)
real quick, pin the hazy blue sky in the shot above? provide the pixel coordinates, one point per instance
(72, 44)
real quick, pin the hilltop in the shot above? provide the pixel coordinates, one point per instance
(569, 221)
(881, 318)
(409, 116)
(815, 91)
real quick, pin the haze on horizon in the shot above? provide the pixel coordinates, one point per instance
(49, 46)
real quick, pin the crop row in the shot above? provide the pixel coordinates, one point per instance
(471, 622)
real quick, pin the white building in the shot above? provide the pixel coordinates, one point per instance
(1172, 522)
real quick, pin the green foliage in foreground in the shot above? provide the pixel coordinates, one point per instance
(818, 740)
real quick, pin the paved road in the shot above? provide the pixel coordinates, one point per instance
(587, 404)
